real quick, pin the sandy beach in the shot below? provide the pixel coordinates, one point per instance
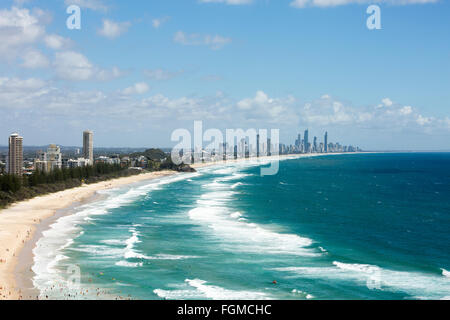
(19, 223)
(22, 224)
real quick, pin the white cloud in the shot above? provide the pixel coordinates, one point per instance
(18, 93)
(158, 22)
(32, 102)
(41, 100)
(106, 75)
(334, 3)
(326, 112)
(70, 65)
(215, 42)
(137, 88)
(34, 59)
(22, 31)
(56, 42)
(111, 29)
(14, 84)
(387, 102)
(406, 110)
(447, 122)
(19, 28)
(421, 120)
(74, 66)
(263, 108)
(259, 99)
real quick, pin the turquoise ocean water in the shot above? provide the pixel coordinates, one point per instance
(355, 226)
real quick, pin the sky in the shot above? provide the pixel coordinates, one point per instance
(136, 71)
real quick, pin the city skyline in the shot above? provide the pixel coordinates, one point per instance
(88, 144)
(379, 89)
(248, 146)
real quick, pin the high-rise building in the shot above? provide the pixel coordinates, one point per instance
(15, 155)
(315, 144)
(50, 160)
(88, 146)
(298, 142)
(325, 143)
(257, 145)
(224, 150)
(241, 148)
(306, 141)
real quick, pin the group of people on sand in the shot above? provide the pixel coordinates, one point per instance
(4, 292)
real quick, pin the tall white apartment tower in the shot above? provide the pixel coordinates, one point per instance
(15, 154)
(88, 146)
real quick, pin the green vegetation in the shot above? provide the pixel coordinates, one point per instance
(169, 165)
(159, 160)
(15, 188)
(151, 154)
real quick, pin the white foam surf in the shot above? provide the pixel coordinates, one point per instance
(130, 252)
(302, 294)
(236, 215)
(235, 233)
(200, 289)
(124, 263)
(416, 284)
(126, 249)
(49, 249)
(234, 186)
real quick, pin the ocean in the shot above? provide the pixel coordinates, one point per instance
(353, 226)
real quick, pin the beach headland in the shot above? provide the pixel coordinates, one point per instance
(22, 224)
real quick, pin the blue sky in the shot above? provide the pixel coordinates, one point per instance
(134, 73)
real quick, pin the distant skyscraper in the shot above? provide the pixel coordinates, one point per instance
(269, 147)
(15, 154)
(88, 146)
(326, 142)
(224, 151)
(306, 140)
(257, 145)
(298, 142)
(315, 144)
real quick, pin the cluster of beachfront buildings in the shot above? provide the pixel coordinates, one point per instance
(53, 158)
(48, 160)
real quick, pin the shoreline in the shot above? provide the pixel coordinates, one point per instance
(23, 274)
(20, 223)
(27, 220)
